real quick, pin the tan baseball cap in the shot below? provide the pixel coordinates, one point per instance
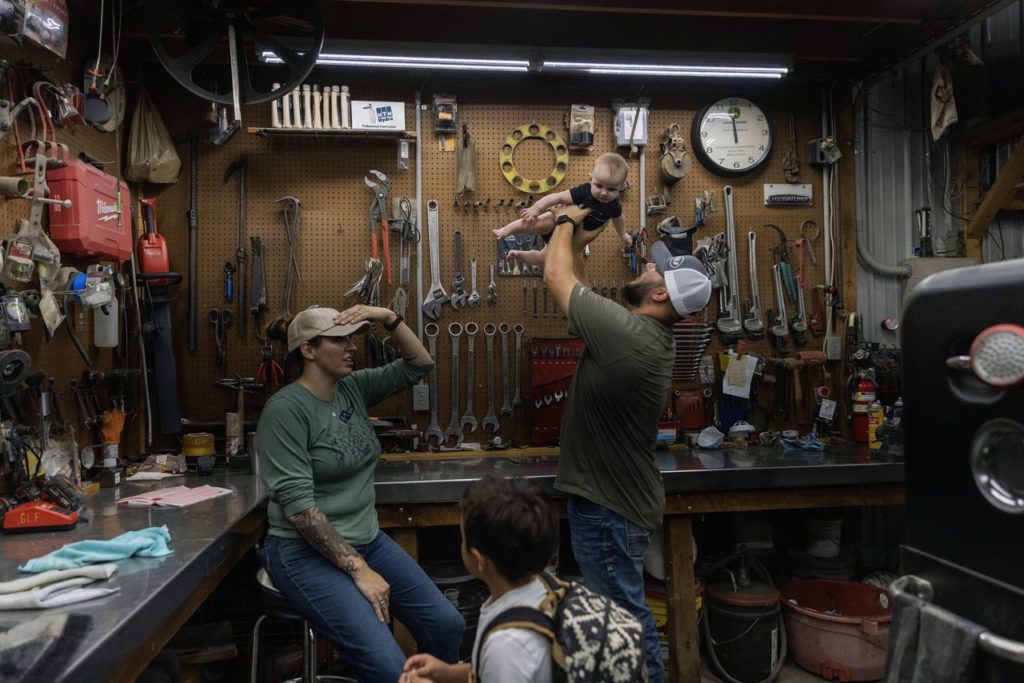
(318, 322)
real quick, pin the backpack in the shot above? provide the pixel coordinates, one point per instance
(592, 638)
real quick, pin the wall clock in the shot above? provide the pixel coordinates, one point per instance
(731, 136)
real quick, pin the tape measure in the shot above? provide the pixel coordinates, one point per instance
(538, 132)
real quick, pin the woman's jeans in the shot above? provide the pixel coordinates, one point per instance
(328, 598)
(610, 552)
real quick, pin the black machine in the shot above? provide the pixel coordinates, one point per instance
(963, 345)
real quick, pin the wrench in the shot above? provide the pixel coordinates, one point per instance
(490, 421)
(518, 329)
(492, 289)
(753, 322)
(431, 330)
(779, 323)
(436, 297)
(798, 323)
(459, 295)
(474, 296)
(469, 420)
(729, 320)
(506, 404)
(454, 429)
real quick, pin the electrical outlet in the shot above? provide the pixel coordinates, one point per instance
(420, 398)
(833, 348)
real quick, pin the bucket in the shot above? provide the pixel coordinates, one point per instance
(743, 631)
(838, 629)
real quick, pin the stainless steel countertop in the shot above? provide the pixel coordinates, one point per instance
(152, 589)
(757, 467)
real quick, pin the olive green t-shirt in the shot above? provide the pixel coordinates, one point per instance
(610, 420)
(323, 453)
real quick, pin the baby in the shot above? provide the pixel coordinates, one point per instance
(600, 196)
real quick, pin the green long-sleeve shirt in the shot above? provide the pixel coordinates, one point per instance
(323, 453)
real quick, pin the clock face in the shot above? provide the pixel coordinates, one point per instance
(731, 136)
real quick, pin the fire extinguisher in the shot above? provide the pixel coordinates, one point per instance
(153, 256)
(863, 396)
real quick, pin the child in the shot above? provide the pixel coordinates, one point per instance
(600, 195)
(509, 534)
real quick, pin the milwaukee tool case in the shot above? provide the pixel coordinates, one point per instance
(93, 226)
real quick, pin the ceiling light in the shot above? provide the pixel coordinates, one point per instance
(691, 70)
(410, 62)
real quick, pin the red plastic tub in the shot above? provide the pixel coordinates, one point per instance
(837, 629)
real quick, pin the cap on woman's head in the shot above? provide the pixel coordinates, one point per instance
(689, 288)
(318, 322)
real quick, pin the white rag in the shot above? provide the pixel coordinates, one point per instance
(56, 587)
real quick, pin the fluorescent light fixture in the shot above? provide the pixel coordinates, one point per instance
(410, 62)
(450, 57)
(690, 70)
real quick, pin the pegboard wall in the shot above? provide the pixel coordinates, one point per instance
(56, 357)
(326, 175)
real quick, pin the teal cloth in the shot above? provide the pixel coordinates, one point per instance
(151, 542)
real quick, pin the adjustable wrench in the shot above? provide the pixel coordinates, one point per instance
(436, 297)
(492, 289)
(474, 296)
(431, 330)
(779, 321)
(518, 329)
(454, 429)
(490, 420)
(459, 295)
(506, 404)
(753, 322)
(468, 419)
(729, 322)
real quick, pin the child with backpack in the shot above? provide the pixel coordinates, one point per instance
(534, 628)
(509, 534)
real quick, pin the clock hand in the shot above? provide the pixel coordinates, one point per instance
(735, 135)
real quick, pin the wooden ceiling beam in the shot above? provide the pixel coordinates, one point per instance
(874, 15)
(1000, 195)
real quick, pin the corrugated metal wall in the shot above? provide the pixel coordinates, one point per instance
(899, 170)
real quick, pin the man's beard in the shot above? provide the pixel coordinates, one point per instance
(634, 292)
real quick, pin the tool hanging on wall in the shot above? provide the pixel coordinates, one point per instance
(292, 216)
(378, 212)
(409, 235)
(240, 165)
(781, 250)
(791, 161)
(729, 324)
(436, 297)
(465, 163)
(259, 283)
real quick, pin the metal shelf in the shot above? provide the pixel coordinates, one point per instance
(330, 133)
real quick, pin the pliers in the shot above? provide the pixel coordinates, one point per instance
(269, 372)
(380, 187)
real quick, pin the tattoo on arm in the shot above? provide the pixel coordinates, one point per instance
(321, 534)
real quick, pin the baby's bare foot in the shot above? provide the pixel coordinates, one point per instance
(500, 233)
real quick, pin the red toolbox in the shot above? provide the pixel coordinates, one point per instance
(94, 226)
(552, 365)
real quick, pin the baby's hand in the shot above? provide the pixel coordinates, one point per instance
(627, 239)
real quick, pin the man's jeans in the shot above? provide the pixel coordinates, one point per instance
(610, 552)
(329, 599)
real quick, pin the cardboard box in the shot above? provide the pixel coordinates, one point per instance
(373, 115)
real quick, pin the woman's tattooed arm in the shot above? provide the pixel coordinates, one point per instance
(321, 534)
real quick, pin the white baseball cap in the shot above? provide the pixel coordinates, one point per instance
(318, 322)
(688, 285)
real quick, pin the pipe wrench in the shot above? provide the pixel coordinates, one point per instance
(753, 322)
(728, 323)
(378, 212)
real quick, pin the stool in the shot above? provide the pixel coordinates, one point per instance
(276, 605)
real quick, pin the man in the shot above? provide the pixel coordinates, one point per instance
(609, 427)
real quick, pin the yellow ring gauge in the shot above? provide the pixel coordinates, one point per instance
(539, 132)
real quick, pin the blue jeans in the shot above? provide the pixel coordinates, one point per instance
(328, 598)
(610, 552)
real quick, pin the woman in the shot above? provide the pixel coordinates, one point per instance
(325, 551)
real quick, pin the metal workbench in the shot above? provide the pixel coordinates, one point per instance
(157, 595)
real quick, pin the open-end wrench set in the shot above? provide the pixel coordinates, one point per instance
(552, 365)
